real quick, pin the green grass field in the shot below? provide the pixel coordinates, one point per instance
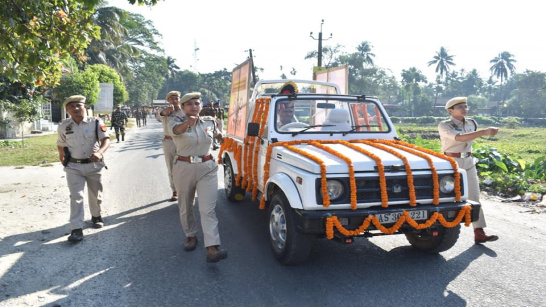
(527, 143)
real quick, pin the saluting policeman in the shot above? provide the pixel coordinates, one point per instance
(86, 139)
(169, 149)
(195, 170)
(457, 135)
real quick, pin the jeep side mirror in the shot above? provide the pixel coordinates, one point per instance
(253, 129)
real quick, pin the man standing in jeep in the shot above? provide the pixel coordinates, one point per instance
(457, 135)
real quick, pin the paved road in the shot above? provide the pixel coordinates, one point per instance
(138, 259)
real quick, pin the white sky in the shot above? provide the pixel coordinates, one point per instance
(402, 33)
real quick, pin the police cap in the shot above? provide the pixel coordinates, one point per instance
(73, 98)
(455, 101)
(190, 96)
(173, 93)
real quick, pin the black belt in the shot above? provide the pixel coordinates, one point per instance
(80, 161)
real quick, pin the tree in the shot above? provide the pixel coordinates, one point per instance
(443, 62)
(147, 78)
(171, 67)
(503, 66)
(106, 74)
(37, 36)
(84, 83)
(529, 98)
(411, 79)
(329, 55)
(23, 101)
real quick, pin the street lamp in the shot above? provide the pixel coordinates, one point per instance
(320, 43)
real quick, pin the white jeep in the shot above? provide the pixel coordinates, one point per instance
(330, 165)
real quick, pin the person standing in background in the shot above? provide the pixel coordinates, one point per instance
(169, 149)
(119, 120)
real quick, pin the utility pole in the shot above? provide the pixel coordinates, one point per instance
(252, 69)
(320, 43)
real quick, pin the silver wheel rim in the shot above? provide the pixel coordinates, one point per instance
(277, 227)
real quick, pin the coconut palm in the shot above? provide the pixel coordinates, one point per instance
(172, 67)
(503, 66)
(443, 62)
(365, 52)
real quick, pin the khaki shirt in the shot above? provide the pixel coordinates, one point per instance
(452, 127)
(167, 118)
(197, 140)
(81, 139)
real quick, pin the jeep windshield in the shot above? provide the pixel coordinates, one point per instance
(308, 115)
(268, 88)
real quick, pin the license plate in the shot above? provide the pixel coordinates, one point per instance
(416, 215)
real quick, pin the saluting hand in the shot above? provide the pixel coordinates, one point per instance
(491, 131)
(192, 120)
(169, 110)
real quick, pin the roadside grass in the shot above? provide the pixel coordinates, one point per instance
(37, 150)
(525, 143)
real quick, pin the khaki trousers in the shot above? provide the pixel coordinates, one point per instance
(469, 164)
(203, 179)
(77, 175)
(169, 149)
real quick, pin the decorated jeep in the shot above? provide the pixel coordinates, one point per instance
(331, 166)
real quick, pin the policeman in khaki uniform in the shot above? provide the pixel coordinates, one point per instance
(457, 135)
(86, 139)
(196, 171)
(169, 149)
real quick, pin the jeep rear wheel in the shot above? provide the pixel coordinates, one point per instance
(427, 242)
(289, 245)
(233, 192)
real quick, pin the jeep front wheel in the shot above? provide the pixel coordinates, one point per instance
(289, 245)
(233, 192)
(434, 240)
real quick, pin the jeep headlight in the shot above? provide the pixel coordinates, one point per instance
(447, 184)
(335, 189)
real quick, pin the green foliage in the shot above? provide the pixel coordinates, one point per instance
(84, 83)
(510, 122)
(506, 175)
(37, 36)
(106, 74)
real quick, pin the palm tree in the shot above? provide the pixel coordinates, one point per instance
(503, 66)
(365, 52)
(172, 67)
(443, 62)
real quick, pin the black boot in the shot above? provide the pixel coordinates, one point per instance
(117, 137)
(123, 137)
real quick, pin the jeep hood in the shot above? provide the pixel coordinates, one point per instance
(361, 162)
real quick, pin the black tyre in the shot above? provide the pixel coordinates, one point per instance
(233, 192)
(426, 242)
(289, 246)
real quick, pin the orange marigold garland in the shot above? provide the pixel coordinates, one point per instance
(349, 164)
(435, 182)
(333, 221)
(453, 163)
(324, 187)
(380, 170)
(409, 175)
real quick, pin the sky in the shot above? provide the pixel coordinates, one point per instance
(402, 33)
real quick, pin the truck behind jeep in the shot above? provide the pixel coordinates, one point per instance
(331, 166)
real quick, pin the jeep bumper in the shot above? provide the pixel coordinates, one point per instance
(313, 222)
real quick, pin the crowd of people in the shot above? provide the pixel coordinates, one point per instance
(189, 132)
